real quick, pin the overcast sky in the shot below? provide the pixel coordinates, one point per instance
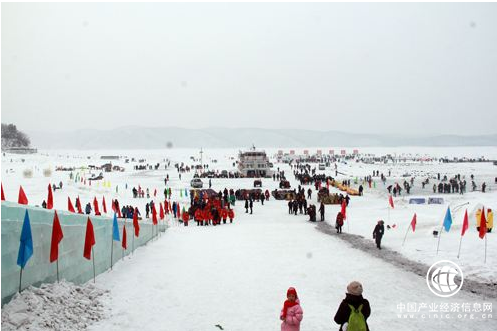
(375, 68)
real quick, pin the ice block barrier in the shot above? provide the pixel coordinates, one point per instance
(73, 266)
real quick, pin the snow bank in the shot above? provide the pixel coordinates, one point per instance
(59, 306)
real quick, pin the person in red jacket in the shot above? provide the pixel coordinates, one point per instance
(231, 215)
(267, 195)
(224, 215)
(186, 218)
(198, 217)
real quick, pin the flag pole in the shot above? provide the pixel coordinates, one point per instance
(459, 252)
(485, 248)
(405, 237)
(439, 237)
(111, 251)
(93, 253)
(133, 242)
(20, 280)
(57, 270)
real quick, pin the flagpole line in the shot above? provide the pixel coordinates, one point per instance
(111, 251)
(93, 253)
(459, 251)
(57, 269)
(439, 237)
(485, 248)
(405, 237)
(20, 280)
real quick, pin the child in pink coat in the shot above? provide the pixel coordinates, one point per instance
(292, 313)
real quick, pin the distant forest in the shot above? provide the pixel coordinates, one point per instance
(11, 137)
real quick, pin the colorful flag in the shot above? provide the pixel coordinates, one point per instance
(95, 206)
(154, 214)
(413, 223)
(104, 206)
(135, 223)
(3, 195)
(161, 212)
(483, 224)
(50, 197)
(447, 220)
(465, 224)
(57, 236)
(70, 206)
(344, 209)
(78, 205)
(26, 243)
(89, 240)
(124, 243)
(22, 200)
(115, 229)
(390, 200)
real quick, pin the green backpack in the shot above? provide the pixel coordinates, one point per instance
(356, 319)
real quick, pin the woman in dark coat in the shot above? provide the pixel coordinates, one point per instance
(354, 298)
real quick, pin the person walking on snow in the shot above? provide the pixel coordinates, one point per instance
(339, 222)
(354, 310)
(378, 232)
(292, 313)
(251, 205)
(321, 211)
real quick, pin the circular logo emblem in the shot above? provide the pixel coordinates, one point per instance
(444, 278)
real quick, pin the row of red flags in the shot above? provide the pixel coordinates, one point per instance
(23, 200)
(57, 236)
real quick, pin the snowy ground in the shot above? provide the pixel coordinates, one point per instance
(236, 275)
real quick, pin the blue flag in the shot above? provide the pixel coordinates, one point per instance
(26, 245)
(115, 229)
(447, 220)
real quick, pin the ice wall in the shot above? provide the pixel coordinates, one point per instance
(73, 266)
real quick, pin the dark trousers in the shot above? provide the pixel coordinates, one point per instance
(378, 241)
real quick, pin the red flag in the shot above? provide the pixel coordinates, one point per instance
(57, 236)
(124, 242)
(413, 223)
(154, 215)
(135, 223)
(78, 205)
(50, 197)
(465, 224)
(161, 212)
(95, 206)
(89, 240)
(344, 209)
(3, 195)
(390, 200)
(483, 224)
(22, 200)
(70, 206)
(104, 205)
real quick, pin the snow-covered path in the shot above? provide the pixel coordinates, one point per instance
(236, 275)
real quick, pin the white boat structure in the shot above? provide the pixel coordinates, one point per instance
(254, 164)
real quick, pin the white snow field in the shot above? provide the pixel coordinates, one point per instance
(236, 275)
